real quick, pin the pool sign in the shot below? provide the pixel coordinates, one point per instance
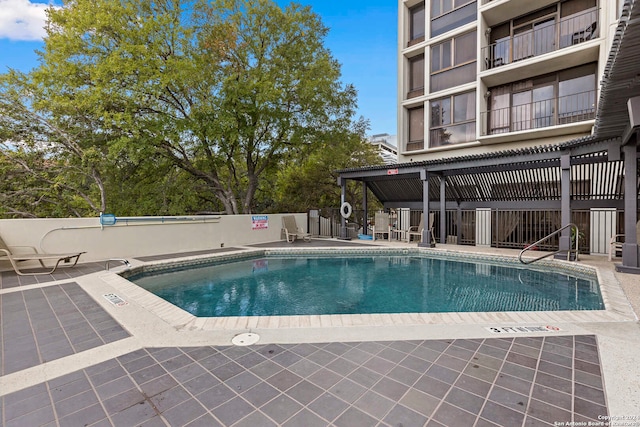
(521, 329)
(115, 300)
(259, 222)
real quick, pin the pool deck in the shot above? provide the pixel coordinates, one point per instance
(86, 347)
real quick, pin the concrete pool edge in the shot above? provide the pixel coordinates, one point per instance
(617, 307)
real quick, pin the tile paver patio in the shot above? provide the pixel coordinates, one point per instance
(181, 385)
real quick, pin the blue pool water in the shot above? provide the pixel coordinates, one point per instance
(380, 284)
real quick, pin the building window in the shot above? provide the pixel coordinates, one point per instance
(416, 129)
(453, 120)
(416, 76)
(447, 15)
(453, 62)
(416, 24)
(567, 96)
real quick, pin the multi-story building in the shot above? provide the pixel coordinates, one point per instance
(516, 122)
(387, 147)
(476, 76)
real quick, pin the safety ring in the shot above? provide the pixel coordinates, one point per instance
(345, 210)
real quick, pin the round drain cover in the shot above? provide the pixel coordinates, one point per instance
(247, 338)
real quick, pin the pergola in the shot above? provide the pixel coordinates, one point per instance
(591, 172)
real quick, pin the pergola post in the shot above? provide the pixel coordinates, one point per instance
(343, 196)
(443, 210)
(565, 205)
(630, 248)
(426, 234)
(365, 208)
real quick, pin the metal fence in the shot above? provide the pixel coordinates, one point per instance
(500, 228)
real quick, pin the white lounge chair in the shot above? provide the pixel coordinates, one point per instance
(615, 244)
(8, 253)
(292, 231)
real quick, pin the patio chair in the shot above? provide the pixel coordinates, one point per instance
(8, 253)
(615, 244)
(292, 231)
(381, 225)
(417, 231)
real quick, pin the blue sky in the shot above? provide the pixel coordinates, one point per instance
(362, 37)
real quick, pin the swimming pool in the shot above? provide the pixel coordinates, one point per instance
(278, 285)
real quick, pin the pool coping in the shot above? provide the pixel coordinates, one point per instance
(617, 307)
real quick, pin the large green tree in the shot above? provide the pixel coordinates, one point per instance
(224, 90)
(53, 161)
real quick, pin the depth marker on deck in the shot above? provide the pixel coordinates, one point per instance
(521, 329)
(115, 300)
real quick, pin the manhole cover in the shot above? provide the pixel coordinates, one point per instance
(245, 339)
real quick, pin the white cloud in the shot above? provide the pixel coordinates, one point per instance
(22, 20)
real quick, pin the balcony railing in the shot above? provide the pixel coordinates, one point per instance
(543, 38)
(549, 112)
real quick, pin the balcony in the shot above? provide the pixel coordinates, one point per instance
(563, 110)
(543, 38)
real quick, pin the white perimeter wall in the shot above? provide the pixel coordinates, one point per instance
(139, 238)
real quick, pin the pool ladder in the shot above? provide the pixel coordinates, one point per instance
(122, 260)
(569, 252)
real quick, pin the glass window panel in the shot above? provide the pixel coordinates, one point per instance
(534, 16)
(499, 117)
(455, 134)
(438, 137)
(521, 110)
(577, 97)
(436, 113)
(417, 18)
(571, 7)
(544, 36)
(455, 19)
(453, 77)
(464, 107)
(446, 111)
(523, 43)
(447, 5)
(543, 106)
(465, 132)
(465, 48)
(416, 124)
(577, 85)
(459, 3)
(446, 54)
(440, 112)
(500, 53)
(436, 58)
(417, 72)
(435, 8)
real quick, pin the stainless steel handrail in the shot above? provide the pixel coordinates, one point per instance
(122, 260)
(552, 253)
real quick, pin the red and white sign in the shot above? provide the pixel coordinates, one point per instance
(259, 222)
(392, 171)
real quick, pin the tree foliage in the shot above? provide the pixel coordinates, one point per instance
(223, 91)
(168, 106)
(310, 182)
(54, 161)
